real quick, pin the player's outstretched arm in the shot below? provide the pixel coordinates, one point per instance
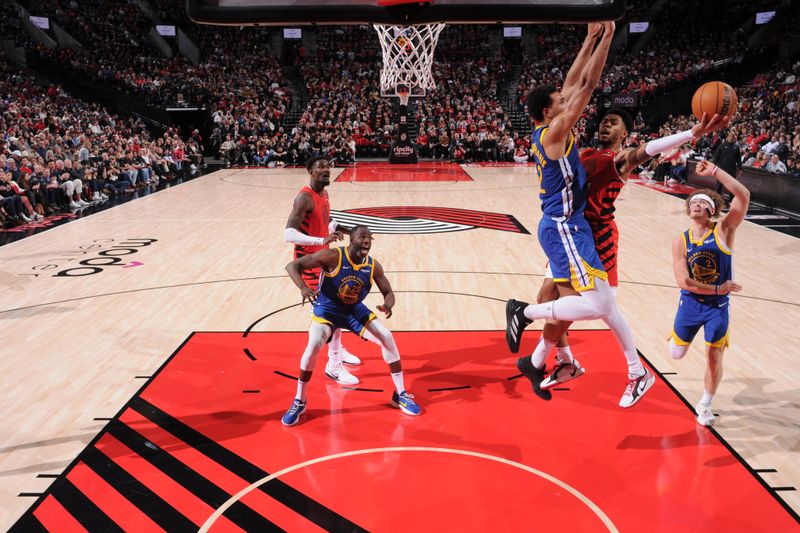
(325, 259)
(628, 160)
(386, 290)
(739, 204)
(571, 82)
(560, 126)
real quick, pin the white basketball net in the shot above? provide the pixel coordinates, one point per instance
(408, 57)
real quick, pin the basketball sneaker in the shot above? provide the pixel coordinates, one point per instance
(562, 373)
(636, 389)
(348, 358)
(535, 375)
(338, 373)
(405, 402)
(292, 416)
(516, 322)
(705, 416)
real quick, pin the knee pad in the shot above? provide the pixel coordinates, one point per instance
(677, 351)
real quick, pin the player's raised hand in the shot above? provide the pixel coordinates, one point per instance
(308, 294)
(608, 29)
(709, 124)
(335, 236)
(594, 30)
(705, 168)
(385, 309)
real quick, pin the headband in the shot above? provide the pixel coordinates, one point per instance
(705, 197)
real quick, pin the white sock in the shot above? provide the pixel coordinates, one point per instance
(706, 399)
(564, 354)
(622, 331)
(543, 349)
(301, 390)
(397, 379)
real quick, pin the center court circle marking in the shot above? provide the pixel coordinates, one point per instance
(242, 493)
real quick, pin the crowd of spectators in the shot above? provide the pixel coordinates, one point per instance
(764, 133)
(60, 154)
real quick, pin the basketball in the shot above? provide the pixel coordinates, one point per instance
(714, 97)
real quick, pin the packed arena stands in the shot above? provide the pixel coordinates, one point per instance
(272, 102)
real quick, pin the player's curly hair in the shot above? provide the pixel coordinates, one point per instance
(719, 202)
(538, 99)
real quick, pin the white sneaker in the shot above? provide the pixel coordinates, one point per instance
(562, 373)
(636, 389)
(705, 416)
(25, 217)
(37, 217)
(103, 196)
(84, 203)
(74, 205)
(348, 358)
(339, 374)
(96, 197)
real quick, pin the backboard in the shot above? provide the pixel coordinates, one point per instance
(400, 12)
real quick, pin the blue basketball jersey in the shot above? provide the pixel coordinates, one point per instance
(563, 181)
(709, 261)
(349, 283)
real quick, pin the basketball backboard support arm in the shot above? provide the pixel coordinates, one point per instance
(303, 12)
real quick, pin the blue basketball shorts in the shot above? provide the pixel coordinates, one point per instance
(569, 245)
(692, 314)
(353, 317)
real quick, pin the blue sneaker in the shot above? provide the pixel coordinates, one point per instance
(292, 416)
(405, 402)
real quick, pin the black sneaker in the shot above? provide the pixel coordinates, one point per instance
(516, 322)
(535, 375)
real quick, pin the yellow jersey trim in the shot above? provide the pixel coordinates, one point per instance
(365, 263)
(571, 143)
(321, 320)
(593, 273)
(372, 317)
(338, 266)
(724, 341)
(542, 134)
(705, 235)
(678, 340)
(722, 247)
(372, 272)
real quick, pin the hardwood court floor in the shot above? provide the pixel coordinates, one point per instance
(209, 256)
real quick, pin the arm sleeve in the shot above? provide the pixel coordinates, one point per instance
(664, 144)
(294, 236)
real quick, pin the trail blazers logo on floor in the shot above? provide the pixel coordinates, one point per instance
(422, 219)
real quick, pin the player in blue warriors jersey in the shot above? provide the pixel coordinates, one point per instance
(564, 234)
(348, 273)
(702, 260)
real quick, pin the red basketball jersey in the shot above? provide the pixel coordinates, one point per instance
(605, 184)
(315, 224)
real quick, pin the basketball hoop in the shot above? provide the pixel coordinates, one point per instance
(408, 58)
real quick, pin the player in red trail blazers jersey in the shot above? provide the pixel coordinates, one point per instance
(311, 229)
